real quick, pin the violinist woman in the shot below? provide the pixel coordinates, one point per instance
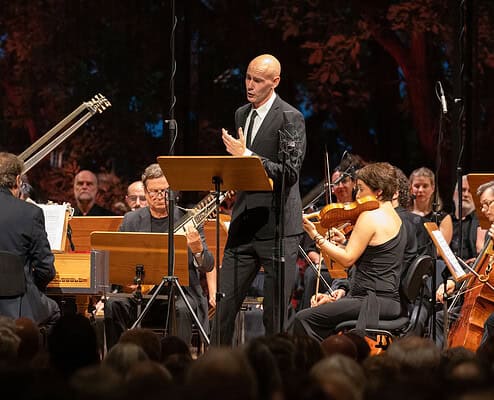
(376, 247)
(422, 185)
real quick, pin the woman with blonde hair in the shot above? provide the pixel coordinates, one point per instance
(422, 188)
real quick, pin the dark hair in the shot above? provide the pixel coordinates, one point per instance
(379, 176)
(11, 166)
(403, 189)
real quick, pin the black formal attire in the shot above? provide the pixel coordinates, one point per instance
(121, 313)
(94, 211)
(22, 232)
(251, 236)
(469, 227)
(373, 294)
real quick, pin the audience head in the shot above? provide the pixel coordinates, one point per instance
(340, 377)
(122, 356)
(415, 355)
(28, 332)
(85, 189)
(171, 345)
(221, 374)
(11, 168)
(97, 383)
(339, 344)
(136, 197)
(145, 339)
(148, 380)
(72, 344)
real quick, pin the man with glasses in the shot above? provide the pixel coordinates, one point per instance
(136, 197)
(486, 195)
(120, 313)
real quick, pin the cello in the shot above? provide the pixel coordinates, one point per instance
(478, 301)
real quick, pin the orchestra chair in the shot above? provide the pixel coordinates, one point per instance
(12, 282)
(413, 287)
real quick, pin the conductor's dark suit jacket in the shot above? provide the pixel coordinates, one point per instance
(255, 214)
(22, 232)
(140, 221)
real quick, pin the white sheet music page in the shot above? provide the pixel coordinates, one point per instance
(448, 253)
(54, 223)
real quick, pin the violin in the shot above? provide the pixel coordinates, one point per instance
(335, 214)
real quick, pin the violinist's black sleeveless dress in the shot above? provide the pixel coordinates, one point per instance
(373, 292)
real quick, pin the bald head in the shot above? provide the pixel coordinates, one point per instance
(266, 64)
(262, 77)
(135, 195)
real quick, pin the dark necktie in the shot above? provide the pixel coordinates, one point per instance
(248, 139)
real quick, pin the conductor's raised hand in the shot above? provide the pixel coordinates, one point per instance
(236, 147)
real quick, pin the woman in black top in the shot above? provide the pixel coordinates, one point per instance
(376, 247)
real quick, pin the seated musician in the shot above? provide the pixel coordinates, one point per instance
(486, 195)
(85, 190)
(120, 313)
(22, 232)
(136, 197)
(469, 250)
(343, 188)
(376, 247)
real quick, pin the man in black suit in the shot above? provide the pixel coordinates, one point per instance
(120, 314)
(22, 232)
(275, 131)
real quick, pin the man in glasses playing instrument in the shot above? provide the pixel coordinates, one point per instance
(120, 313)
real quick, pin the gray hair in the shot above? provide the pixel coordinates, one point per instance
(153, 171)
(482, 188)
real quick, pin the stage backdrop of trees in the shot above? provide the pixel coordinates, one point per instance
(364, 73)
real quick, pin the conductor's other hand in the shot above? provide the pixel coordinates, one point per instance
(193, 239)
(236, 147)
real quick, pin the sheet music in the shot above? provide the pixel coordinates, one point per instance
(54, 224)
(447, 253)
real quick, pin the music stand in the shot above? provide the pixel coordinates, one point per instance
(130, 250)
(215, 173)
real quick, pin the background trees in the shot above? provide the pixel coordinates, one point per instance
(364, 72)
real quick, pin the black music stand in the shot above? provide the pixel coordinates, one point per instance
(215, 173)
(129, 250)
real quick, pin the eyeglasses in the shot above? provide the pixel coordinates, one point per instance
(133, 197)
(486, 204)
(157, 192)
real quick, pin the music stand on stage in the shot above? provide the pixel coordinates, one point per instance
(215, 173)
(141, 258)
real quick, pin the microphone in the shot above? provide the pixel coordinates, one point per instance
(289, 130)
(413, 196)
(444, 104)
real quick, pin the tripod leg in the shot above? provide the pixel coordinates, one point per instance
(189, 307)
